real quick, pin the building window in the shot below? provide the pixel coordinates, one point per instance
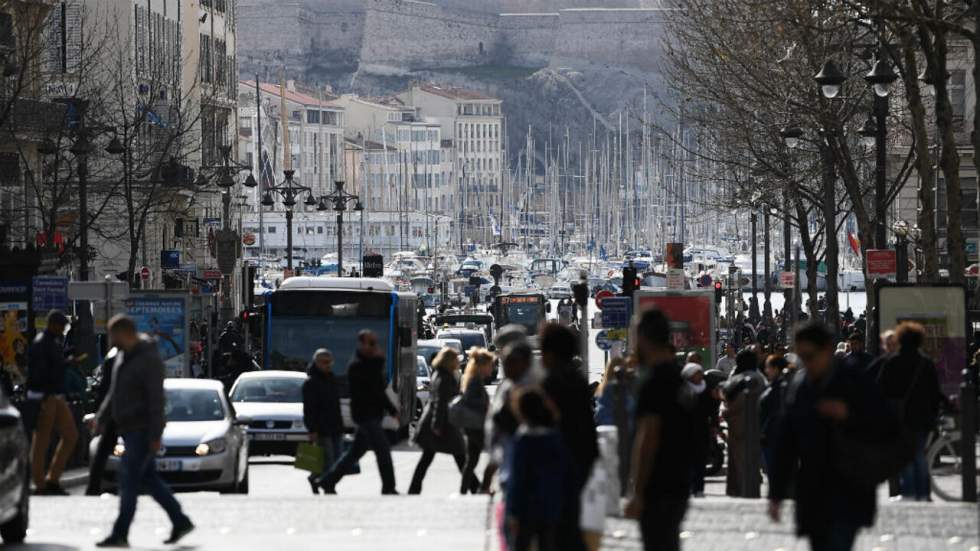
(312, 116)
(271, 229)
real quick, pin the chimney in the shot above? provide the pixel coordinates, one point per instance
(291, 85)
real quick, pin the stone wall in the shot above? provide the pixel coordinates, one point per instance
(401, 35)
(617, 37)
(527, 40)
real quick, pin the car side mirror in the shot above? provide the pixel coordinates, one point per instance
(243, 420)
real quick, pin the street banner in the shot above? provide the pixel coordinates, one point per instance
(691, 315)
(674, 255)
(14, 336)
(881, 263)
(164, 316)
(942, 312)
(48, 293)
(787, 280)
(676, 279)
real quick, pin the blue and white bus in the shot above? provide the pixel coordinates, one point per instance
(307, 313)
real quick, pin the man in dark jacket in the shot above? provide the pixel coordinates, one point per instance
(46, 388)
(368, 403)
(321, 412)
(136, 404)
(568, 389)
(824, 402)
(857, 358)
(909, 382)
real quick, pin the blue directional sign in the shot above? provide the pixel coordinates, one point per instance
(603, 341)
(49, 293)
(616, 312)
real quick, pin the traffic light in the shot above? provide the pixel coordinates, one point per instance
(719, 292)
(630, 281)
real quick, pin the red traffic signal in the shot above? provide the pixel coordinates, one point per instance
(719, 292)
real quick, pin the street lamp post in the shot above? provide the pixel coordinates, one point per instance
(289, 190)
(767, 305)
(754, 308)
(340, 197)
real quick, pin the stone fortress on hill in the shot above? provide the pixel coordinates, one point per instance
(398, 36)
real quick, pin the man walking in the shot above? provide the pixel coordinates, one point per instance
(321, 411)
(662, 448)
(136, 404)
(46, 390)
(368, 403)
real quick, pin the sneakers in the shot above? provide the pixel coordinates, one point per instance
(179, 532)
(113, 541)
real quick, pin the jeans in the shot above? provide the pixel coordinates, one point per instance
(137, 470)
(331, 446)
(840, 536)
(474, 447)
(54, 416)
(423, 466)
(914, 478)
(369, 436)
(96, 466)
(660, 523)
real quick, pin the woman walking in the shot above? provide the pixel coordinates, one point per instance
(477, 401)
(435, 433)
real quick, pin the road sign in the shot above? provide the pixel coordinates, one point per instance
(603, 341)
(881, 263)
(787, 280)
(248, 239)
(705, 280)
(601, 296)
(49, 293)
(616, 312)
(676, 279)
(144, 273)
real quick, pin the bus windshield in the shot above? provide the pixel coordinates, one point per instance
(303, 321)
(526, 310)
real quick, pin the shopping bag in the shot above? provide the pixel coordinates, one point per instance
(593, 513)
(309, 457)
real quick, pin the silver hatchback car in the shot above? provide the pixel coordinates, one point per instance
(204, 446)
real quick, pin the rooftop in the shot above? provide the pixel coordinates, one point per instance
(292, 95)
(455, 93)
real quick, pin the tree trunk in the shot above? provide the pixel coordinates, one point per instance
(926, 218)
(950, 161)
(812, 261)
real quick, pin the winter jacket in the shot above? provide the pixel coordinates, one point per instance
(368, 396)
(136, 399)
(46, 365)
(321, 403)
(435, 418)
(898, 379)
(571, 393)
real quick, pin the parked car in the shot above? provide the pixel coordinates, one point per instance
(559, 291)
(204, 446)
(15, 481)
(273, 403)
(423, 382)
(469, 338)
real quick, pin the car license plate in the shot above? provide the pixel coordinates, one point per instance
(268, 436)
(168, 465)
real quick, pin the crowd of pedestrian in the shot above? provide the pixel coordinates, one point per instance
(824, 423)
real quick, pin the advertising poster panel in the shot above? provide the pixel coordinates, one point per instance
(14, 336)
(164, 316)
(692, 319)
(942, 312)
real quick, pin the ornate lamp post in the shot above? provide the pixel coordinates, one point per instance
(340, 197)
(902, 233)
(289, 190)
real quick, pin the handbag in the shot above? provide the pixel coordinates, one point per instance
(462, 416)
(309, 457)
(864, 462)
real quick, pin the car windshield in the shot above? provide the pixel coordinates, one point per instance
(186, 404)
(469, 340)
(421, 369)
(281, 390)
(428, 352)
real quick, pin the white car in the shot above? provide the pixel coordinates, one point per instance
(203, 446)
(559, 291)
(273, 402)
(423, 382)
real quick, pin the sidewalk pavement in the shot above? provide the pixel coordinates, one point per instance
(725, 524)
